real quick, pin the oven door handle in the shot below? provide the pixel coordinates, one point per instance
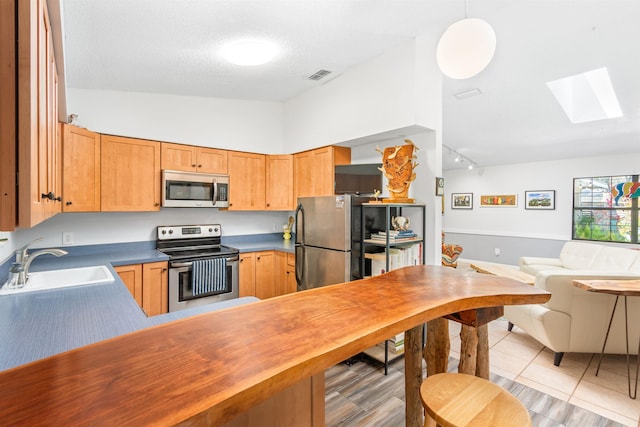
(181, 264)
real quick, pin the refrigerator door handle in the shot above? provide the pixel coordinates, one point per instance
(299, 224)
(300, 266)
(299, 245)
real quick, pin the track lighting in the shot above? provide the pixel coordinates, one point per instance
(459, 158)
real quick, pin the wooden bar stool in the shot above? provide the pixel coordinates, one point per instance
(458, 400)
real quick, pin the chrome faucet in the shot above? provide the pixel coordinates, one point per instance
(25, 259)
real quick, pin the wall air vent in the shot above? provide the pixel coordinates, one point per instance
(319, 74)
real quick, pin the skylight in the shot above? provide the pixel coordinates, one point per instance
(587, 97)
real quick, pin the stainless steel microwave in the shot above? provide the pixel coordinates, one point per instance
(194, 190)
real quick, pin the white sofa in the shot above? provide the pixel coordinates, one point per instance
(575, 320)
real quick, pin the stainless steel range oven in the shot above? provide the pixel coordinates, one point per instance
(201, 270)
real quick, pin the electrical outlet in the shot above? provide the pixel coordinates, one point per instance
(497, 251)
(67, 238)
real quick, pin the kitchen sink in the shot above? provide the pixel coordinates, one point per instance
(54, 279)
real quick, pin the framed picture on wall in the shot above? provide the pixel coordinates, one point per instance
(499, 201)
(439, 186)
(461, 200)
(541, 199)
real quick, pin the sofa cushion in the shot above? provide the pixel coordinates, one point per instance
(579, 255)
(612, 258)
(635, 267)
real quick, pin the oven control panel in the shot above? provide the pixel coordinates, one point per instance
(167, 232)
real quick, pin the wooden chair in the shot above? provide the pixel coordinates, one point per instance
(459, 400)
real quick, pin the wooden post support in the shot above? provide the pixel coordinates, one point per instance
(482, 361)
(436, 352)
(468, 350)
(413, 376)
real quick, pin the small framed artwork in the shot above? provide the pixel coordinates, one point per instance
(542, 199)
(439, 186)
(461, 200)
(499, 201)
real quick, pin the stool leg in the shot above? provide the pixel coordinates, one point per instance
(428, 421)
(606, 337)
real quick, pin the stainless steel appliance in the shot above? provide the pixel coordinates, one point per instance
(194, 190)
(328, 238)
(197, 247)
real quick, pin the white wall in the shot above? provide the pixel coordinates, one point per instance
(253, 126)
(516, 179)
(399, 89)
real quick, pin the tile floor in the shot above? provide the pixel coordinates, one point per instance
(518, 357)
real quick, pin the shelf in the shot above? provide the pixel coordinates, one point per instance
(377, 353)
(391, 243)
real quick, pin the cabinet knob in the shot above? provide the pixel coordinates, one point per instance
(193, 166)
(199, 166)
(156, 204)
(164, 269)
(69, 203)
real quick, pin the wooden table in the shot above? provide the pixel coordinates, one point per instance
(474, 334)
(211, 368)
(625, 288)
(503, 271)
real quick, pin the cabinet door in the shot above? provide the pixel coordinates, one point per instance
(247, 273)
(130, 174)
(80, 170)
(178, 157)
(155, 288)
(279, 183)
(39, 160)
(8, 116)
(246, 181)
(290, 282)
(266, 274)
(131, 275)
(314, 170)
(211, 160)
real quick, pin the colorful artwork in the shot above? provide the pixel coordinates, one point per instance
(625, 189)
(501, 200)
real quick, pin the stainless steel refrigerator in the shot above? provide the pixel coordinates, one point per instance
(328, 239)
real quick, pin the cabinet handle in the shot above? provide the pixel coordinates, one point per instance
(199, 166)
(164, 269)
(193, 166)
(69, 203)
(156, 204)
(58, 199)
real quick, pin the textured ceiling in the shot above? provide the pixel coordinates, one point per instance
(172, 46)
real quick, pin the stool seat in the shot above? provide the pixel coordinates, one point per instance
(458, 400)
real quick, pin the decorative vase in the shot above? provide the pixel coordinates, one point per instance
(286, 235)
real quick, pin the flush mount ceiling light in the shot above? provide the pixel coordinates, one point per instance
(466, 47)
(587, 97)
(249, 52)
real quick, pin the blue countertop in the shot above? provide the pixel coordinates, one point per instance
(35, 325)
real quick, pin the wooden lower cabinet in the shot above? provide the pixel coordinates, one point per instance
(148, 285)
(266, 274)
(299, 405)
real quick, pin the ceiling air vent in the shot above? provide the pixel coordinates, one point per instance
(319, 74)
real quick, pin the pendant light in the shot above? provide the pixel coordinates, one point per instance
(466, 47)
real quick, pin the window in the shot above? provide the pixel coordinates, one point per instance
(598, 215)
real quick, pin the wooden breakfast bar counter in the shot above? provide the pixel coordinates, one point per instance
(210, 368)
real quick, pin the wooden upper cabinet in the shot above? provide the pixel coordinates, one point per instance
(194, 159)
(80, 170)
(8, 115)
(246, 181)
(39, 162)
(314, 170)
(279, 183)
(130, 174)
